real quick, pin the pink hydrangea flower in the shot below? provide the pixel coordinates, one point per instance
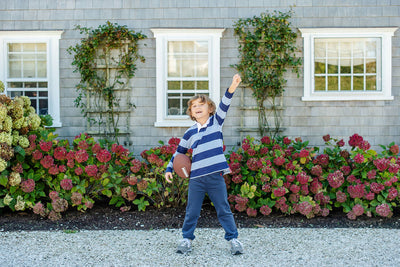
(66, 184)
(336, 179)
(265, 210)
(28, 185)
(103, 156)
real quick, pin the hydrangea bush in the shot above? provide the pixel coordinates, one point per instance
(288, 176)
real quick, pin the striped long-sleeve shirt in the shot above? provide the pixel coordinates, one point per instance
(207, 143)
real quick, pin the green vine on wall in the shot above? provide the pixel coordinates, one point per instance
(266, 49)
(106, 60)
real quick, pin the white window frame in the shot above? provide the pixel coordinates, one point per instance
(51, 38)
(162, 37)
(385, 34)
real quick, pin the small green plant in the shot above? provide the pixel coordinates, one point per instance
(266, 49)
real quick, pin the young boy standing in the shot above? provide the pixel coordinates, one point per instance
(208, 166)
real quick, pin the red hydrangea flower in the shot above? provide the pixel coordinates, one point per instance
(376, 187)
(355, 140)
(358, 210)
(304, 189)
(45, 146)
(70, 155)
(369, 196)
(265, 210)
(305, 208)
(264, 150)
(81, 156)
(78, 171)
(142, 185)
(252, 164)
(128, 193)
(340, 143)
(359, 158)
(341, 197)
(174, 141)
(303, 178)
(304, 153)
(316, 170)
(383, 210)
(47, 161)
(393, 168)
(394, 149)
(103, 156)
(53, 195)
(62, 168)
(316, 186)
(83, 145)
(96, 148)
(392, 193)
(136, 165)
(37, 154)
(279, 161)
(39, 209)
(240, 207)
(279, 192)
(371, 174)
(66, 184)
(326, 138)
(346, 170)
(336, 179)
(76, 198)
(237, 179)
(381, 164)
(351, 215)
(70, 163)
(290, 178)
(251, 212)
(323, 160)
(53, 170)
(286, 141)
(351, 179)
(28, 185)
(295, 188)
(91, 170)
(60, 153)
(356, 191)
(266, 140)
(365, 145)
(117, 149)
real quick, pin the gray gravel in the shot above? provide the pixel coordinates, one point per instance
(263, 247)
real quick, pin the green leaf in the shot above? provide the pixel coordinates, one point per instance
(106, 192)
(3, 180)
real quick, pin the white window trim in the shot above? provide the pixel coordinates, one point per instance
(52, 39)
(164, 35)
(310, 33)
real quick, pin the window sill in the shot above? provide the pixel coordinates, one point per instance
(342, 97)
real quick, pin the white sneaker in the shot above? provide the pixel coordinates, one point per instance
(236, 247)
(185, 246)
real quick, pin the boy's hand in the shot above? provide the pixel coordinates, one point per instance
(235, 83)
(168, 177)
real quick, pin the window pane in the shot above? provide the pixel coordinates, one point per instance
(202, 67)
(370, 66)
(345, 49)
(31, 94)
(345, 83)
(319, 83)
(370, 83)
(358, 83)
(43, 93)
(14, 69)
(187, 47)
(358, 65)
(333, 51)
(174, 107)
(14, 47)
(188, 85)
(201, 46)
(174, 67)
(345, 66)
(173, 85)
(43, 106)
(202, 85)
(333, 66)
(320, 67)
(333, 83)
(188, 67)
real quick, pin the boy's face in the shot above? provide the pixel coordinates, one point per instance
(200, 111)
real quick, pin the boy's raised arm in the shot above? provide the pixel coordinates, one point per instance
(235, 83)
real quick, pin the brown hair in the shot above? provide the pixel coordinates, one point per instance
(203, 99)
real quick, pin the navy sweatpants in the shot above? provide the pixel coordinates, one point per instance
(214, 186)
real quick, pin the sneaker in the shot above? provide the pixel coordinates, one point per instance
(236, 247)
(184, 246)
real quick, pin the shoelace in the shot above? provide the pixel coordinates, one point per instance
(236, 242)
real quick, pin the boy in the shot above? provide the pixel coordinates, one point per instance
(208, 166)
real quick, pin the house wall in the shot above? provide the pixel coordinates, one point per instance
(376, 121)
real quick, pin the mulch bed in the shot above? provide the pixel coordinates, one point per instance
(104, 217)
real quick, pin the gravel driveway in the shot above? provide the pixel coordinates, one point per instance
(263, 247)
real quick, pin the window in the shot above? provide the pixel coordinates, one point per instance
(187, 64)
(347, 64)
(30, 68)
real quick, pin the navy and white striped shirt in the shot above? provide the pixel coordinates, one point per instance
(207, 144)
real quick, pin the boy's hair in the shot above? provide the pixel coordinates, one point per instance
(203, 99)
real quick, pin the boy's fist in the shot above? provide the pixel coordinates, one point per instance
(235, 82)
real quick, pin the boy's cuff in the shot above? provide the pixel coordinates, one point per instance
(168, 169)
(227, 94)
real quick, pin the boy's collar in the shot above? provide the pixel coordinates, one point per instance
(199, 126)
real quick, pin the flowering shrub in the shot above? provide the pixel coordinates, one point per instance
(157, 159)
(288, 176)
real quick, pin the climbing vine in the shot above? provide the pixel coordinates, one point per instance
(266, 49)
(106, 60)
